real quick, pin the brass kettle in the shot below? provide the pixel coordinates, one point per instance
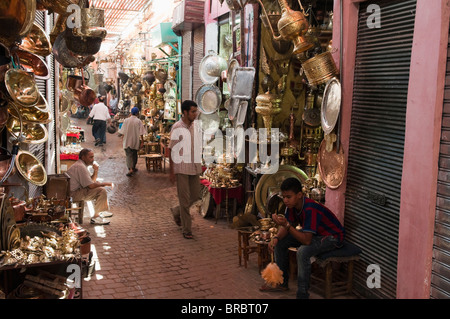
(292, 26)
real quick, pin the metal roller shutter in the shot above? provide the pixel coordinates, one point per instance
(376, 145)
(440, 274)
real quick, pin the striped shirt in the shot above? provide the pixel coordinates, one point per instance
(186, 148)
(317, 219)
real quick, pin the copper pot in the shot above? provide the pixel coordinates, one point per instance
(74, 82)
(36, 42)
(84, 94)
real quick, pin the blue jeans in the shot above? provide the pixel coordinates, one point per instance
(99, 130)
(319, 244)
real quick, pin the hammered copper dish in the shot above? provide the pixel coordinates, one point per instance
(331, 165)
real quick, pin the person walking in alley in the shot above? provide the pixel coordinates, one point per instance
(185, 164)
(100, 115)
(132, 132)
(84, 186)
(319, 231)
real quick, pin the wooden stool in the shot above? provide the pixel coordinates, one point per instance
(153, 161)
(244, 248)
(262, 248)
(347, 254)
(77, 208)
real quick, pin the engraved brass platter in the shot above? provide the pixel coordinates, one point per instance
(331, 165)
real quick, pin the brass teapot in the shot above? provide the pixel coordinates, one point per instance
(292, 26)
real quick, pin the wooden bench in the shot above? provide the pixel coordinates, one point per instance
(346, 255)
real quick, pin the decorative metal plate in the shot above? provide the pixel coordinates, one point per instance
(232, 66)
(331, 165)
(270, 183)
(331, 105)
(209, 123)
(211, 67)
(208, 98)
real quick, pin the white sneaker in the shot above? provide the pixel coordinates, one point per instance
(99, 221)
(106, 214)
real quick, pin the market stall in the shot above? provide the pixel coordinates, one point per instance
(39, 240)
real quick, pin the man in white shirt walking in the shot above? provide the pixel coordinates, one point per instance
(100, 114)
(133, 139)
(185, 164)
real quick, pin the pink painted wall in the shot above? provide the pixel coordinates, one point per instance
(422, 136)
(421, 154)
(213, 10)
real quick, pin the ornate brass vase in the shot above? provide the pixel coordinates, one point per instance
(268, 105)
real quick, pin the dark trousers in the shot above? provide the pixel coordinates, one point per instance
(99, 130)
(132, 157)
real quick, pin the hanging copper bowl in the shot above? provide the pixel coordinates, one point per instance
(22, 87)
(331, 165)
(16, 20)
(63, 55)
(30, 168)
(36, 42)
(81, 45)
(34, 64)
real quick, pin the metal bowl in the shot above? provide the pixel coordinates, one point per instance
(33, 63)
(36, 42)
(34, 133)
(21, 87)
(30, 168)
(16, 20)
(211, 67)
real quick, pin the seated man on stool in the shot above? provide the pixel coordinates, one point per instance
(83, 186)
(308, 225)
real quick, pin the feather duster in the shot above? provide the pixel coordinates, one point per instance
(272, 274)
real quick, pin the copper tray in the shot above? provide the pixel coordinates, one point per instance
(270, 183)
(331, 165)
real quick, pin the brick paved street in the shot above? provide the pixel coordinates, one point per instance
(142, 253)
